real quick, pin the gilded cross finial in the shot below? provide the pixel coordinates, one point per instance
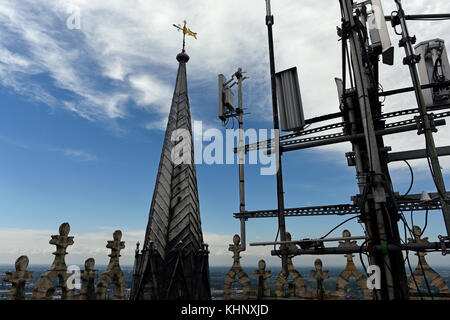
(186, 31)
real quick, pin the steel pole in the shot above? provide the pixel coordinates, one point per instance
(429, 140)
(276, 126)
(362, 87)
(239, 76)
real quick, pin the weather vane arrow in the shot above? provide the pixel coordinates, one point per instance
(186, 31)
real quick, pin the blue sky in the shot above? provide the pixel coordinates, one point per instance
(82, 114)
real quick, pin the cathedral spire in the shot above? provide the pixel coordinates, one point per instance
(174, 261)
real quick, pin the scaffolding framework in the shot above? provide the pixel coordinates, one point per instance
(364, 125)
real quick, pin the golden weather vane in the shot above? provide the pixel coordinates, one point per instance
(186, 31)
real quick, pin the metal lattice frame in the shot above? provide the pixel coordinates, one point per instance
(267, 144)
(336, 210)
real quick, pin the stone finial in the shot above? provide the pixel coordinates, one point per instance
(236, 248)
(262, 275)
(350, 270)
(62, 242)
(116, 245)
(18, 279)
(290, 246)
(44, 288)
(423, 269)
(297, 287)
(347, 243)
(88, 276)
(417, 233)
(320, 275)
(236, 270)
(113, 273)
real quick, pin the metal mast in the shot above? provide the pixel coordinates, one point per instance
(241, 155)
(432, 157)
(276, 126)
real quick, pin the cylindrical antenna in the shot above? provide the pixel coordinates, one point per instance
(269, 11)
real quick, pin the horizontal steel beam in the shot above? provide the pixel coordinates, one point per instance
(418, 196)
(327, 140)
(411, 89)
(256, 244)
(409, 203)
(433, 16)
(340, 209)
(416, 154)
(324, 118)
(349, 250)
(268, 143)
(285, 140)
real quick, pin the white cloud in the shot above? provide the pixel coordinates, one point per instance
(78, 155)
(133, 48)
(159, 125)
(35, 244)
(74, 154)
(151, 91)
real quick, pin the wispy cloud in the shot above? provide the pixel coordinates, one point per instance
(125, 57)
(77, 155)
(158, 125)
(125, 54)
(15, 143)
(34, 244)
(70, 153)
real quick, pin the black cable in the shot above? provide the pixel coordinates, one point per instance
(276, 239)
(413, 237)
(426, 223)
(363, 30)
(405, 223)
(364, 266)
(409, 265)
(363, 199)
(425, 278)
(339, 226)
(395, 27)
(406, 259)
(412, 180)
(381, 89)
(436, 77)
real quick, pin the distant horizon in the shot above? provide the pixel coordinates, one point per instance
(223, 266)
